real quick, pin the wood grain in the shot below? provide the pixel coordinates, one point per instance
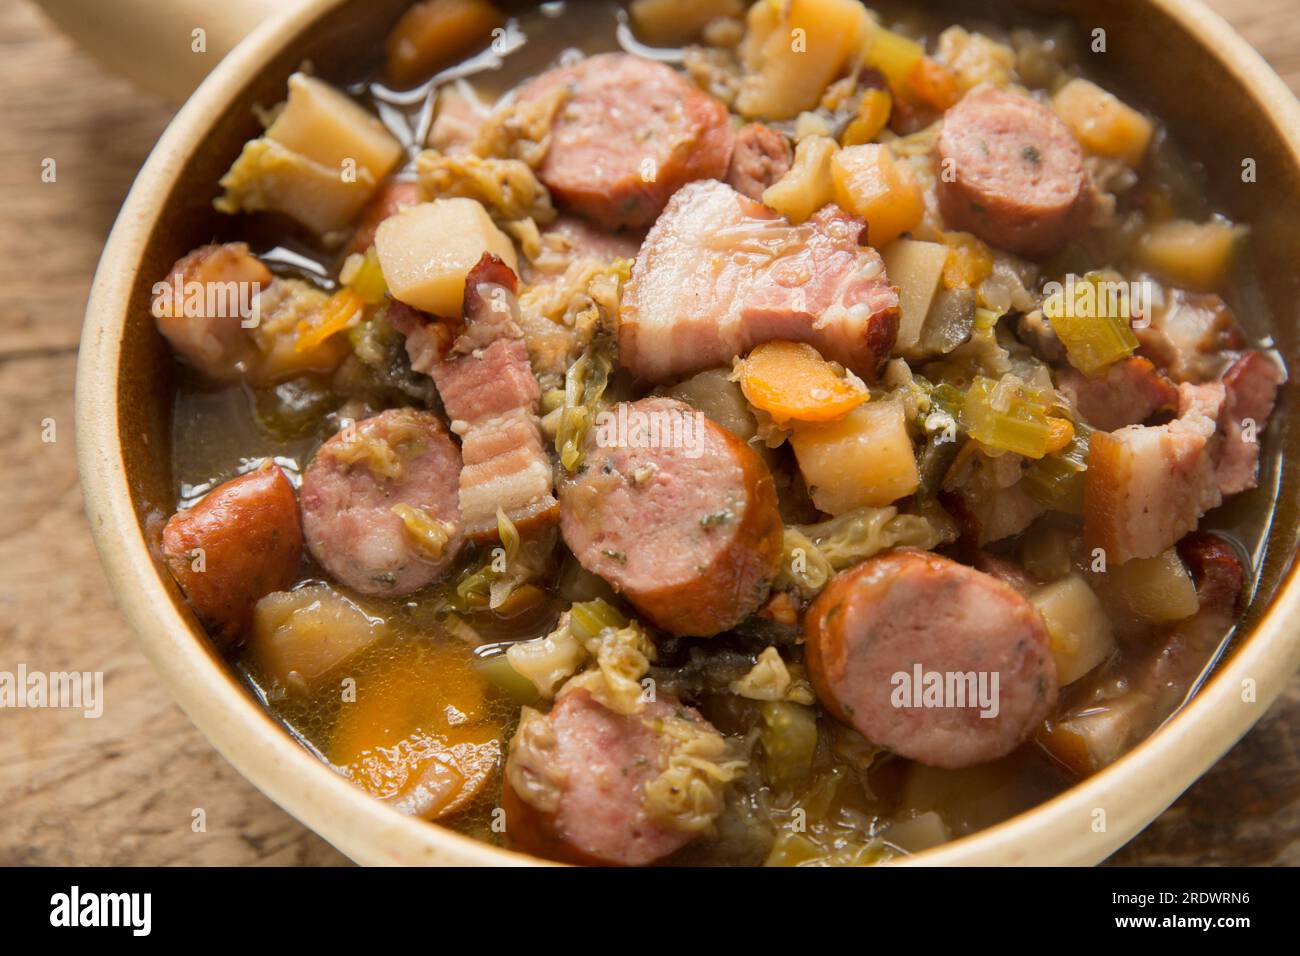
(123, 789)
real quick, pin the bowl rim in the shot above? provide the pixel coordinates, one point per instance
(1064, 830)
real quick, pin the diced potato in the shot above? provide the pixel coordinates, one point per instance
(269, 178)
(916, 268)
(427, 250)
(327, 127)
(678, 22)
(1157, 590)
(870, 183)
(319, 161)
(1195, 255)
(793, 50)
(865, 458)
(301, 636)
(434, 33)
(1103, 123)
(1080, 631)
(806, 186)
(1088, 741)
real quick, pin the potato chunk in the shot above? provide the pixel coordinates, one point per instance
(301, 636)
(793, 50)
(319, 161)
(426, 251)
(1077, 624)
(1102, 123)
(1197, 256)
(916, 268)
(865, 458)
(870, 183)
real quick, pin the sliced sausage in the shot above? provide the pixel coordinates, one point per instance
(1011, 172)
(762, 156)
(907, 610)
(628, 134)
(576, 779)
(401, 457)
(238, 544)
(677, 514)
(200, 307)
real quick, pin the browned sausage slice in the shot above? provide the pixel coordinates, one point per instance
(238, 544)
(907, 610)
(1012, 173)
(628, 135)
(581, 772)
(203, 304)
(761, 157)
(678, 514)
(400, 459)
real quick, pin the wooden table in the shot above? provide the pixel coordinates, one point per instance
(123, 789)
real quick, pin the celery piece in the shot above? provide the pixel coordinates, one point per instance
(588, 618)
(1022, 427)
(361, 273)
(1091, 322)
(1056, 481)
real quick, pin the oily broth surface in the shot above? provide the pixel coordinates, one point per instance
(217, 435)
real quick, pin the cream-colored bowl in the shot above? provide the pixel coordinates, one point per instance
(1172, 56)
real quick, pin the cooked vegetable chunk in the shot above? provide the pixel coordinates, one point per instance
(419, 735)
(433, 33)
(870, 183)
(865, 458)
(793, 50)
(301, 636)
(319, 161)
(426, 252)
(1102, 122)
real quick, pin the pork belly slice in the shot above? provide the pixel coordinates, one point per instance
(1188, 333)
(719, 273)
(1147, 486)
(490, 394)
(1127, 393)
(1250, 386)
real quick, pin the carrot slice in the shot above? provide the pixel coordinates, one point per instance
(790, 380)
(421, 734)
(337, 316)
(934, 84)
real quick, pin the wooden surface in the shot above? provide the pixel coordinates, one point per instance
(123, 789)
